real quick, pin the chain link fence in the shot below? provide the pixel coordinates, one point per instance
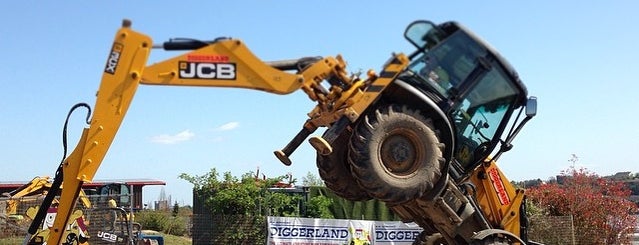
(103, 225)
(228, 229)
(239, 229)
(557, 230)
(92, 220)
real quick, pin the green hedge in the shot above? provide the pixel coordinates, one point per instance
(345, 209)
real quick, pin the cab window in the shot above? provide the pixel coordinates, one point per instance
(448, 64)
(480, 114)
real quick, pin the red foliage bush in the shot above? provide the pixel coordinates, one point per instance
(600, 207)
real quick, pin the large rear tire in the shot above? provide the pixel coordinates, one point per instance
(336, 173)
(395, 154)
(493, 241)
(429, 239)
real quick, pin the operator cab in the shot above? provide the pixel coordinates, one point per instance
(119, 191)
(472, 84)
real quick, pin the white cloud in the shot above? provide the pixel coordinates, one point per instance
(173, 139)
(228, 126)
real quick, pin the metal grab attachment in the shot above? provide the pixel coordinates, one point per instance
(283, 155)
(321, 144)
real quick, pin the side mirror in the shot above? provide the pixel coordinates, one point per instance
(422, 34)
(531, 106)
(531, 111)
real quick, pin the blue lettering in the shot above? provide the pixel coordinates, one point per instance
(308, 232)
(273, 231)
(396, 235)
(344, 234)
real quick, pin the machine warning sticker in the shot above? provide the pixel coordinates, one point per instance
(207, 70)
(498, 184)
(114, 58)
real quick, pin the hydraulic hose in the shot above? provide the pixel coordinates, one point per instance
(57, 181)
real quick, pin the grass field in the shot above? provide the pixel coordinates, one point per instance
(176, 240)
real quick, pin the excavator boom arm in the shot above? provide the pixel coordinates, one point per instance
(221, 63)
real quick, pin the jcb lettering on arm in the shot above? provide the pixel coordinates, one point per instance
(206, 70)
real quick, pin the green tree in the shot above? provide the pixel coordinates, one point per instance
(312, 180)
(319, 207)
(176, 209)
(246, 195)
(204, 185)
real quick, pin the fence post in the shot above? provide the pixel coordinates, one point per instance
(572, 230)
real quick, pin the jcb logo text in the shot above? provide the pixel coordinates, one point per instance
(108, 236)
(202, 70)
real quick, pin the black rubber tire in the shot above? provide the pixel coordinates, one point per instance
(429, 239)
(493, 241)
(395, 154)
(336, 173)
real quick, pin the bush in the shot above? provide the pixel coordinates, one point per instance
(176, 226)
(319, 207)
(599, 207)
(152, 220)
(246, 195)
(161, 221)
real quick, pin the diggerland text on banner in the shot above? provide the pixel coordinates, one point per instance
(307, 231)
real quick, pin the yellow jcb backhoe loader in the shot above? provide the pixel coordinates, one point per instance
(421, 135)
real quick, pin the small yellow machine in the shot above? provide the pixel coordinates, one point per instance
(112, 220)
(418, 135)
(36, 188)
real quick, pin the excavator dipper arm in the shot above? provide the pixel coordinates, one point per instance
(122, 74)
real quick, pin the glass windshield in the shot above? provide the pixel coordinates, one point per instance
(124, 195)
(480, 114)
(447, 65)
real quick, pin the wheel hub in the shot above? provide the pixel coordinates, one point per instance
(399, 154)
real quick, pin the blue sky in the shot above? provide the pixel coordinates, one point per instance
(578, 58)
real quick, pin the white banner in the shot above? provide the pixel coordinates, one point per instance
(395, 232)
(307, 231)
